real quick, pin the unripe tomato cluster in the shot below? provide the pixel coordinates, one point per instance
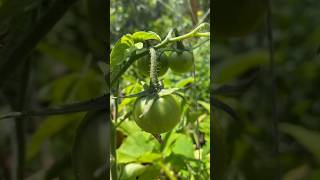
(165, 112)
(178, 62)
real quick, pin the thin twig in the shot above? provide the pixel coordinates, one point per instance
(94, 104)
(274, 116)
(204, 17)
(113, 142)
(167, 171)
(20, 146)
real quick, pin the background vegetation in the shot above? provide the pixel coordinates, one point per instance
(242, 80)
(42, 65)
(48, 57)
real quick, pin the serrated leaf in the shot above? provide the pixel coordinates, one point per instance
(120, 49)
(141, 36)
(135, 147)
(120, 52)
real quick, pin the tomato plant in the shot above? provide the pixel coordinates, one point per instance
(154, 106)
(149, 103)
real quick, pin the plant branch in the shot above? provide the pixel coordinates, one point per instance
(194, 33)
(113, 137)
(20, 123)
(94, 104)
(100, 102)
(274, 116)
(167, 171)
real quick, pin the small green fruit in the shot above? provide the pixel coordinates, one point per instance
(144, 65)
(163, 116)
(181, 62)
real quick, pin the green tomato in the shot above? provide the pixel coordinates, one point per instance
(163, 115)
(236, 18)
(144, 65)
(181, 62)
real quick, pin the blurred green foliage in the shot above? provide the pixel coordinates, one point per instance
(242, 75)
(63, 69)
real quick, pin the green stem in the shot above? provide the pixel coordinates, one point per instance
(167, 171)
(180, 45)
(94, 104)
(153, 68)
(113, 155)
(113, 148)
(18, 102)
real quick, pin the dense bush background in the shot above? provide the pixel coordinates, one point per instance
(62, 69)
(248, 142)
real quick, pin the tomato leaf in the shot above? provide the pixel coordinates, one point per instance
(183, 146)
(182, 83)
(151, 172)
(120, 52)
(136, 147)
(143, 36)
(165, 92)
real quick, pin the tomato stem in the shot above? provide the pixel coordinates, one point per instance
(153, 69)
